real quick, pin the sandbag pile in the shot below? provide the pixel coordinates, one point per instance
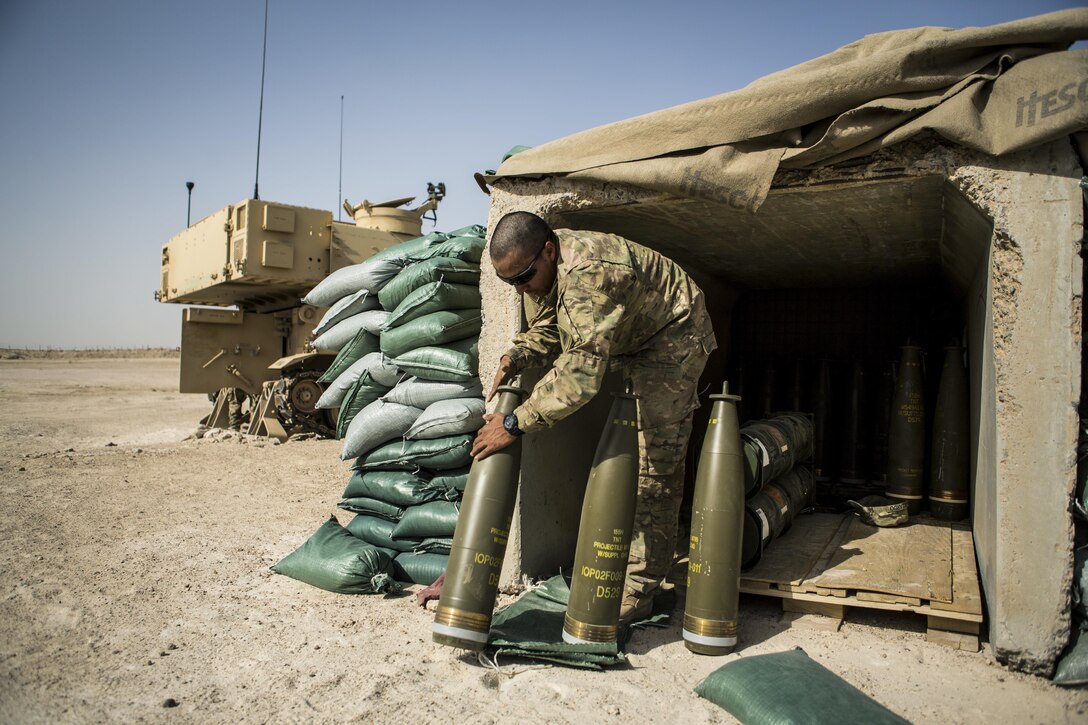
(405, 325)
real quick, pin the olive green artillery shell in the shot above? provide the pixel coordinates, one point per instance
(717, 527)
(907, 432)
(463, 618)
(604, 532)
(949, 487)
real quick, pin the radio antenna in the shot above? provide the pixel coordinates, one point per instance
(340, 188)
(260, 111)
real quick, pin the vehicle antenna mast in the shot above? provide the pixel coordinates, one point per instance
(260, 111)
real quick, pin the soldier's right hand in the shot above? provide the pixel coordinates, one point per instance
(502, 375)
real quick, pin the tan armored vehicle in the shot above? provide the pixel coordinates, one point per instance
(247, 266)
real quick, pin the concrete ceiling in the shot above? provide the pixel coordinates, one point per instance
(821, 236)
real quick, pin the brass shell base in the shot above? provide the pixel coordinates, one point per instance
(709, 636)
(576, 632)
(460, 629)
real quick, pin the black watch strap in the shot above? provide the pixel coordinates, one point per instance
(510, 423)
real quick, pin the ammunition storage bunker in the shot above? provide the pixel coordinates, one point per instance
(922, 239)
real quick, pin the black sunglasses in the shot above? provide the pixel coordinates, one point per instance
(526, 274)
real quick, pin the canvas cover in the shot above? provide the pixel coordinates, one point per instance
(996, 89)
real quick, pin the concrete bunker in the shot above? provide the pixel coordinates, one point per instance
(927, 242)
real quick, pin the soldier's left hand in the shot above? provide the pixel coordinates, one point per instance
(491, 438)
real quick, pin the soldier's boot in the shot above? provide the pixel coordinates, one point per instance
(653, 544)
(635, 606)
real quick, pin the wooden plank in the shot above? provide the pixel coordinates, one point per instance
(934, 621)
(891, 598)
(824, 609)
(852, 601)
(965, 593)
(790, 557)
(955, 640)
(913, 561)
(831, 549)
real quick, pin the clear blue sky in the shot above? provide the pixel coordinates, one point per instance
(109, 108)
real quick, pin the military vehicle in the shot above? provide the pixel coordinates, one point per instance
(245, 269)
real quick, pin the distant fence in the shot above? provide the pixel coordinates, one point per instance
(88, 353)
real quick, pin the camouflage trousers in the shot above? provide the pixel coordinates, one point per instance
(667, 398)
(236, 398)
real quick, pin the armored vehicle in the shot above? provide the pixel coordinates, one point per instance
(243, 270)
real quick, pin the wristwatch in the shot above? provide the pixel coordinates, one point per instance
(510, 423)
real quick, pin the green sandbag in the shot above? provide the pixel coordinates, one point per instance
(415, 276)
(436, 454)
(533, 625)
(363, 343)
(434, 297)
(456, 361)
(407, 248)
(378, 532)
(335, 560)
(437, 545)
(472, 230)
(1072, 670)
(364, 392)
(789, 687)
(429, 520)
(419, 568)
(372, 507)
(437, 328)
(469, 249)
(451, 480)
(400, 488)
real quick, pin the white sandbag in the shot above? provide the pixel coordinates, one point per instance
(386, 372)
(342, 332)
(422, 393)
(353, 304)
(370, 275)
(334, 394)
(375, 424)
(447, 418)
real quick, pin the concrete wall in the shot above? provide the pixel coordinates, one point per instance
(1022, 296)
(1031, 287)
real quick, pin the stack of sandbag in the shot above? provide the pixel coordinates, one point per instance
(406, 384)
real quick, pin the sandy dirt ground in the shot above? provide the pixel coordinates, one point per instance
(137, 588)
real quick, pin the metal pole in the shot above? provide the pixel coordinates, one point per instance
(340, 188)
(189, 210)
(260, 112)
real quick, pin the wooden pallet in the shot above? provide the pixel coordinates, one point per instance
(828, 562)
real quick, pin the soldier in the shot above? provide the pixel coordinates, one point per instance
(595, 300)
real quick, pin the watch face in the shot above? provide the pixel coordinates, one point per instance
(510, 423)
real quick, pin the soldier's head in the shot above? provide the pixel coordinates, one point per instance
(524, 251)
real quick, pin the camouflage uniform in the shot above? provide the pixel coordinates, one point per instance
(618, 303)
(236, 398)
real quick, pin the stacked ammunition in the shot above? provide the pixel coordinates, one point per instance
(777, 486)
(875, 430)
(463, 618)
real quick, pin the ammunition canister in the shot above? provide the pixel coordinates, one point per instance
(852, 459)
(768, 390)
(949, 487)
(907, 432)
(604, 532)
(882, 411)
(463, 618)
(822, 464)
(797, 399)
(717, 528)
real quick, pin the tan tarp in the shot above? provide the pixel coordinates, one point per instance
(996, 89)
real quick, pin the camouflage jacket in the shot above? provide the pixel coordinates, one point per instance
(613, 302)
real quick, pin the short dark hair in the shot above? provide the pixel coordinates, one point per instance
(519, 231)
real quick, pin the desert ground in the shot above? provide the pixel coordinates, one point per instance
(136, 560)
